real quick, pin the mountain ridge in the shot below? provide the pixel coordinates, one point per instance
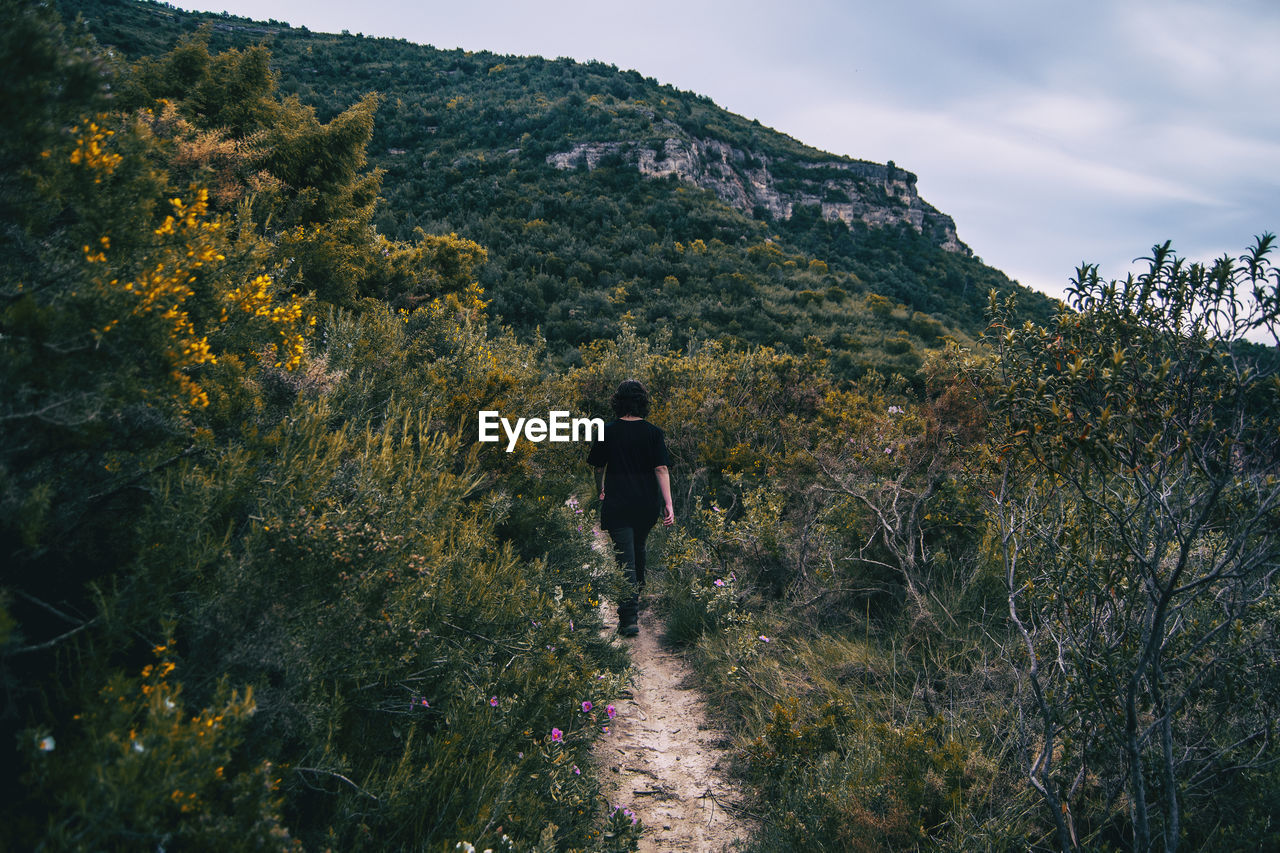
(621, 174)
(873, 193)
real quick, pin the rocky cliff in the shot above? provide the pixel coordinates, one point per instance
(762, 185)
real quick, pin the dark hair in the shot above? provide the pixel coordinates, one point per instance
(631, 398)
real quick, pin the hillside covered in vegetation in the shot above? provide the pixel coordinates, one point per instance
(960, 569)
(601, 195)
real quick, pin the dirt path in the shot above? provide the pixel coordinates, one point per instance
(663, 760)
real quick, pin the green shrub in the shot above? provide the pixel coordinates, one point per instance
(698, 597)
(136, 768)
(836, 781)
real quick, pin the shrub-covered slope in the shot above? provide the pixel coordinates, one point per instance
(601, 194)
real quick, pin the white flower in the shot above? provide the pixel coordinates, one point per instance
(46, 743)
(138, 747)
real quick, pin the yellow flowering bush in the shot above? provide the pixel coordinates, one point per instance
(137, 766)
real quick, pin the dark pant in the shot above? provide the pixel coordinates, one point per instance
(628, 544)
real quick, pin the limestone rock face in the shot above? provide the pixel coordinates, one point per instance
(848, 190)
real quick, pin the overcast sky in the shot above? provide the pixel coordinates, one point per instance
(1053, 133)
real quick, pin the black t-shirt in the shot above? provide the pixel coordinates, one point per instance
(629, 453)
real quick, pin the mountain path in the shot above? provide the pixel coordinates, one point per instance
(663, 759)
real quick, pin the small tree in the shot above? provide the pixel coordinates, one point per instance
(1137, 521)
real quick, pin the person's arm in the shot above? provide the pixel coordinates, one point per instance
(664, 486)
(600, 482)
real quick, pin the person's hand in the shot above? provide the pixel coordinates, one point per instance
(668, 516)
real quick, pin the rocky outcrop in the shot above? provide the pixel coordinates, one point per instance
(755, 183)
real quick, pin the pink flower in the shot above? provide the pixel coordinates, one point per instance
(719, 582)
(493, 701)
(576, 771)
(604, 730)
(763, 638)
(557, 736)
(586, 707)
(611, 711)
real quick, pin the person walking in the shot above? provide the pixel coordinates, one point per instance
(633, 480)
